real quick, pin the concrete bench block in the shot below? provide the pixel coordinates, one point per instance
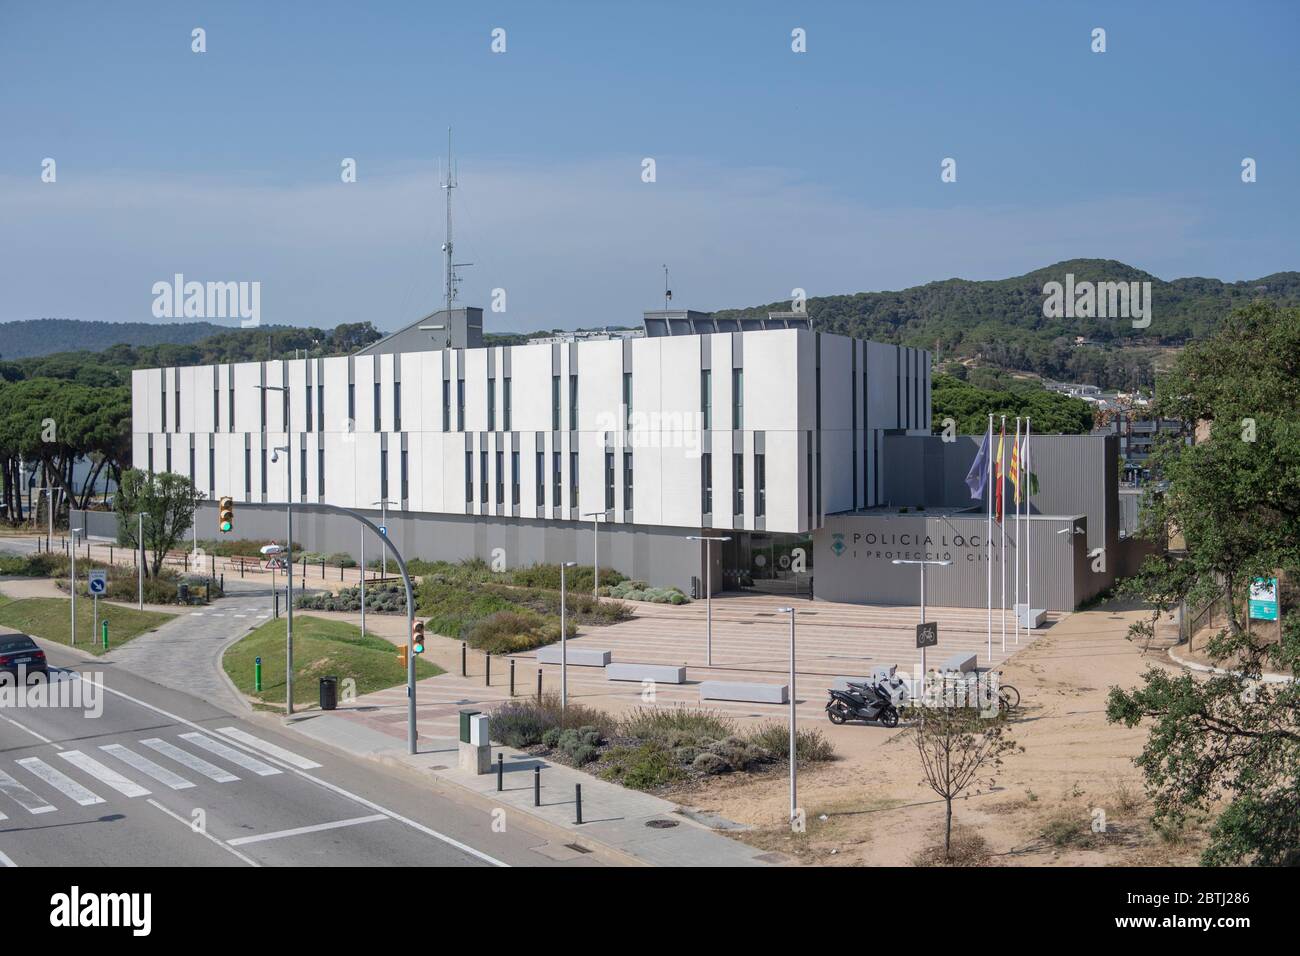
(660, 673)
(1031, 616)
(578, 656)
(959, 663)
(742, 690)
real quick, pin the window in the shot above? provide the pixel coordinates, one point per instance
(309, 428)
(162, 399)
(379, 425)
(514, 476)
(446, 405)
(627, 481)
(482, 478)
(320, 472)
(150, 465)
(573, 403)
(193, 476)
(541, 478)
(216, 409)
(738, 484)
(627, 397)
(737, 398)
(264, 470)
(406, 490)
(397, 407)
(505, 406)
(169, 456)
(320, 406)
(760, 485)
(383, 473)
(460, 404)
(501, 479)
(706, 397)
(609, 480)
(302, 473)
(573, 479)
(469, 477)
(176, 396)
(556, 479)
(555, 403)
(248, 471)
(706, 483)
(212, 470)
(492, 404)
(284, 416)
(262, 407)
(352, 406)
(230, 402)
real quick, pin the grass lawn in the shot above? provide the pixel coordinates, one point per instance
(48, 619)
(321, 648)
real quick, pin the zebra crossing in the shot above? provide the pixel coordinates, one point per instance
(132, 770)
(244, 612)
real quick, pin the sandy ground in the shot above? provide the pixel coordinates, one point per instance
(869, 808)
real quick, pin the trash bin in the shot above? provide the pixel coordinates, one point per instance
(183, 592)
(465, 714)
(329, 693)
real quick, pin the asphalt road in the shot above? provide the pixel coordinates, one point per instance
(162, 778)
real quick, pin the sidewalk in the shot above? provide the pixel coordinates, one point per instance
(616, 819)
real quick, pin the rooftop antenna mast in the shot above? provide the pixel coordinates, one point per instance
(668, 293)
(451, 279)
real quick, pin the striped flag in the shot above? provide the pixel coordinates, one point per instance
(1015, 464)
(997, 497)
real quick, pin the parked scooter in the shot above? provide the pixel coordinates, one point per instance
(865, 701)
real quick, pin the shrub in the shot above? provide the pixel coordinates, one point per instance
(519, 724)
(640, 591)
(551, 738)
(641, 767)
(388, 597)
(510, 632)
(676, 726)
(810, 745)
(711, 763)
(340, 559)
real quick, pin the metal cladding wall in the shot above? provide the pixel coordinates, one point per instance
(659, 555)
(853, 554)
(1077, 475)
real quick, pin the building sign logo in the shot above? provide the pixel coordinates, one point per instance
(837, 543)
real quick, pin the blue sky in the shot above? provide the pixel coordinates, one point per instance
(775, 170)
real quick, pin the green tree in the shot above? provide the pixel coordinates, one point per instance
(168, 501)
(1234, 496)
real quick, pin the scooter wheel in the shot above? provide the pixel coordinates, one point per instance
(835, 713)
(889, 717)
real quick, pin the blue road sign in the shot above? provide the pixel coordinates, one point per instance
(97, 581)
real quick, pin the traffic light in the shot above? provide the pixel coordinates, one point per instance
(227, 520)
(417, 637)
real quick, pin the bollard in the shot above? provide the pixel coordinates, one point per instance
(487, 670)
(512, 677)
(577, 794)
(223, 582)
(212, 561)
(104, 629)
(322, 569)
(462, 659)
(501, 772)
(241, 569)
(257, 674)
(110, 554)
(537, 786)
(539, 685)
(277, 605)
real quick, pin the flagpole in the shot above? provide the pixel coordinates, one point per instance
(1003, 522)
(1029, 490)
(1017, 478)
(988, 538)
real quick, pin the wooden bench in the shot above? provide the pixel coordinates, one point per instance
(241, 563)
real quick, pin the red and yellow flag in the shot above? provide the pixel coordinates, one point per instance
(1002, 437)
(1015, 467)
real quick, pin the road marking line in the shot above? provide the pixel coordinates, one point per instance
(61, 782)
(299, 831)
(107, 775)
(288, 756)
(147, 766)
(333, 788)
(22, 796)
(40, 737)
(217, 614)
(237, 757)
(241, 615)
(187, 759)
(5, 861)
(203, 833)
(196, 613)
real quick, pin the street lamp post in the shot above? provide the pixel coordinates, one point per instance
(564, 639)
(139, 540)
(74, 532)
(595, 516)
(363, 582)
(287, 448)
(794, 786)
(942, 564)
(708, 591)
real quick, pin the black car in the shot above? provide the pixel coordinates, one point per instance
(18, 651)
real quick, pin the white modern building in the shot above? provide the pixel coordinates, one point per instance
(753, 429)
